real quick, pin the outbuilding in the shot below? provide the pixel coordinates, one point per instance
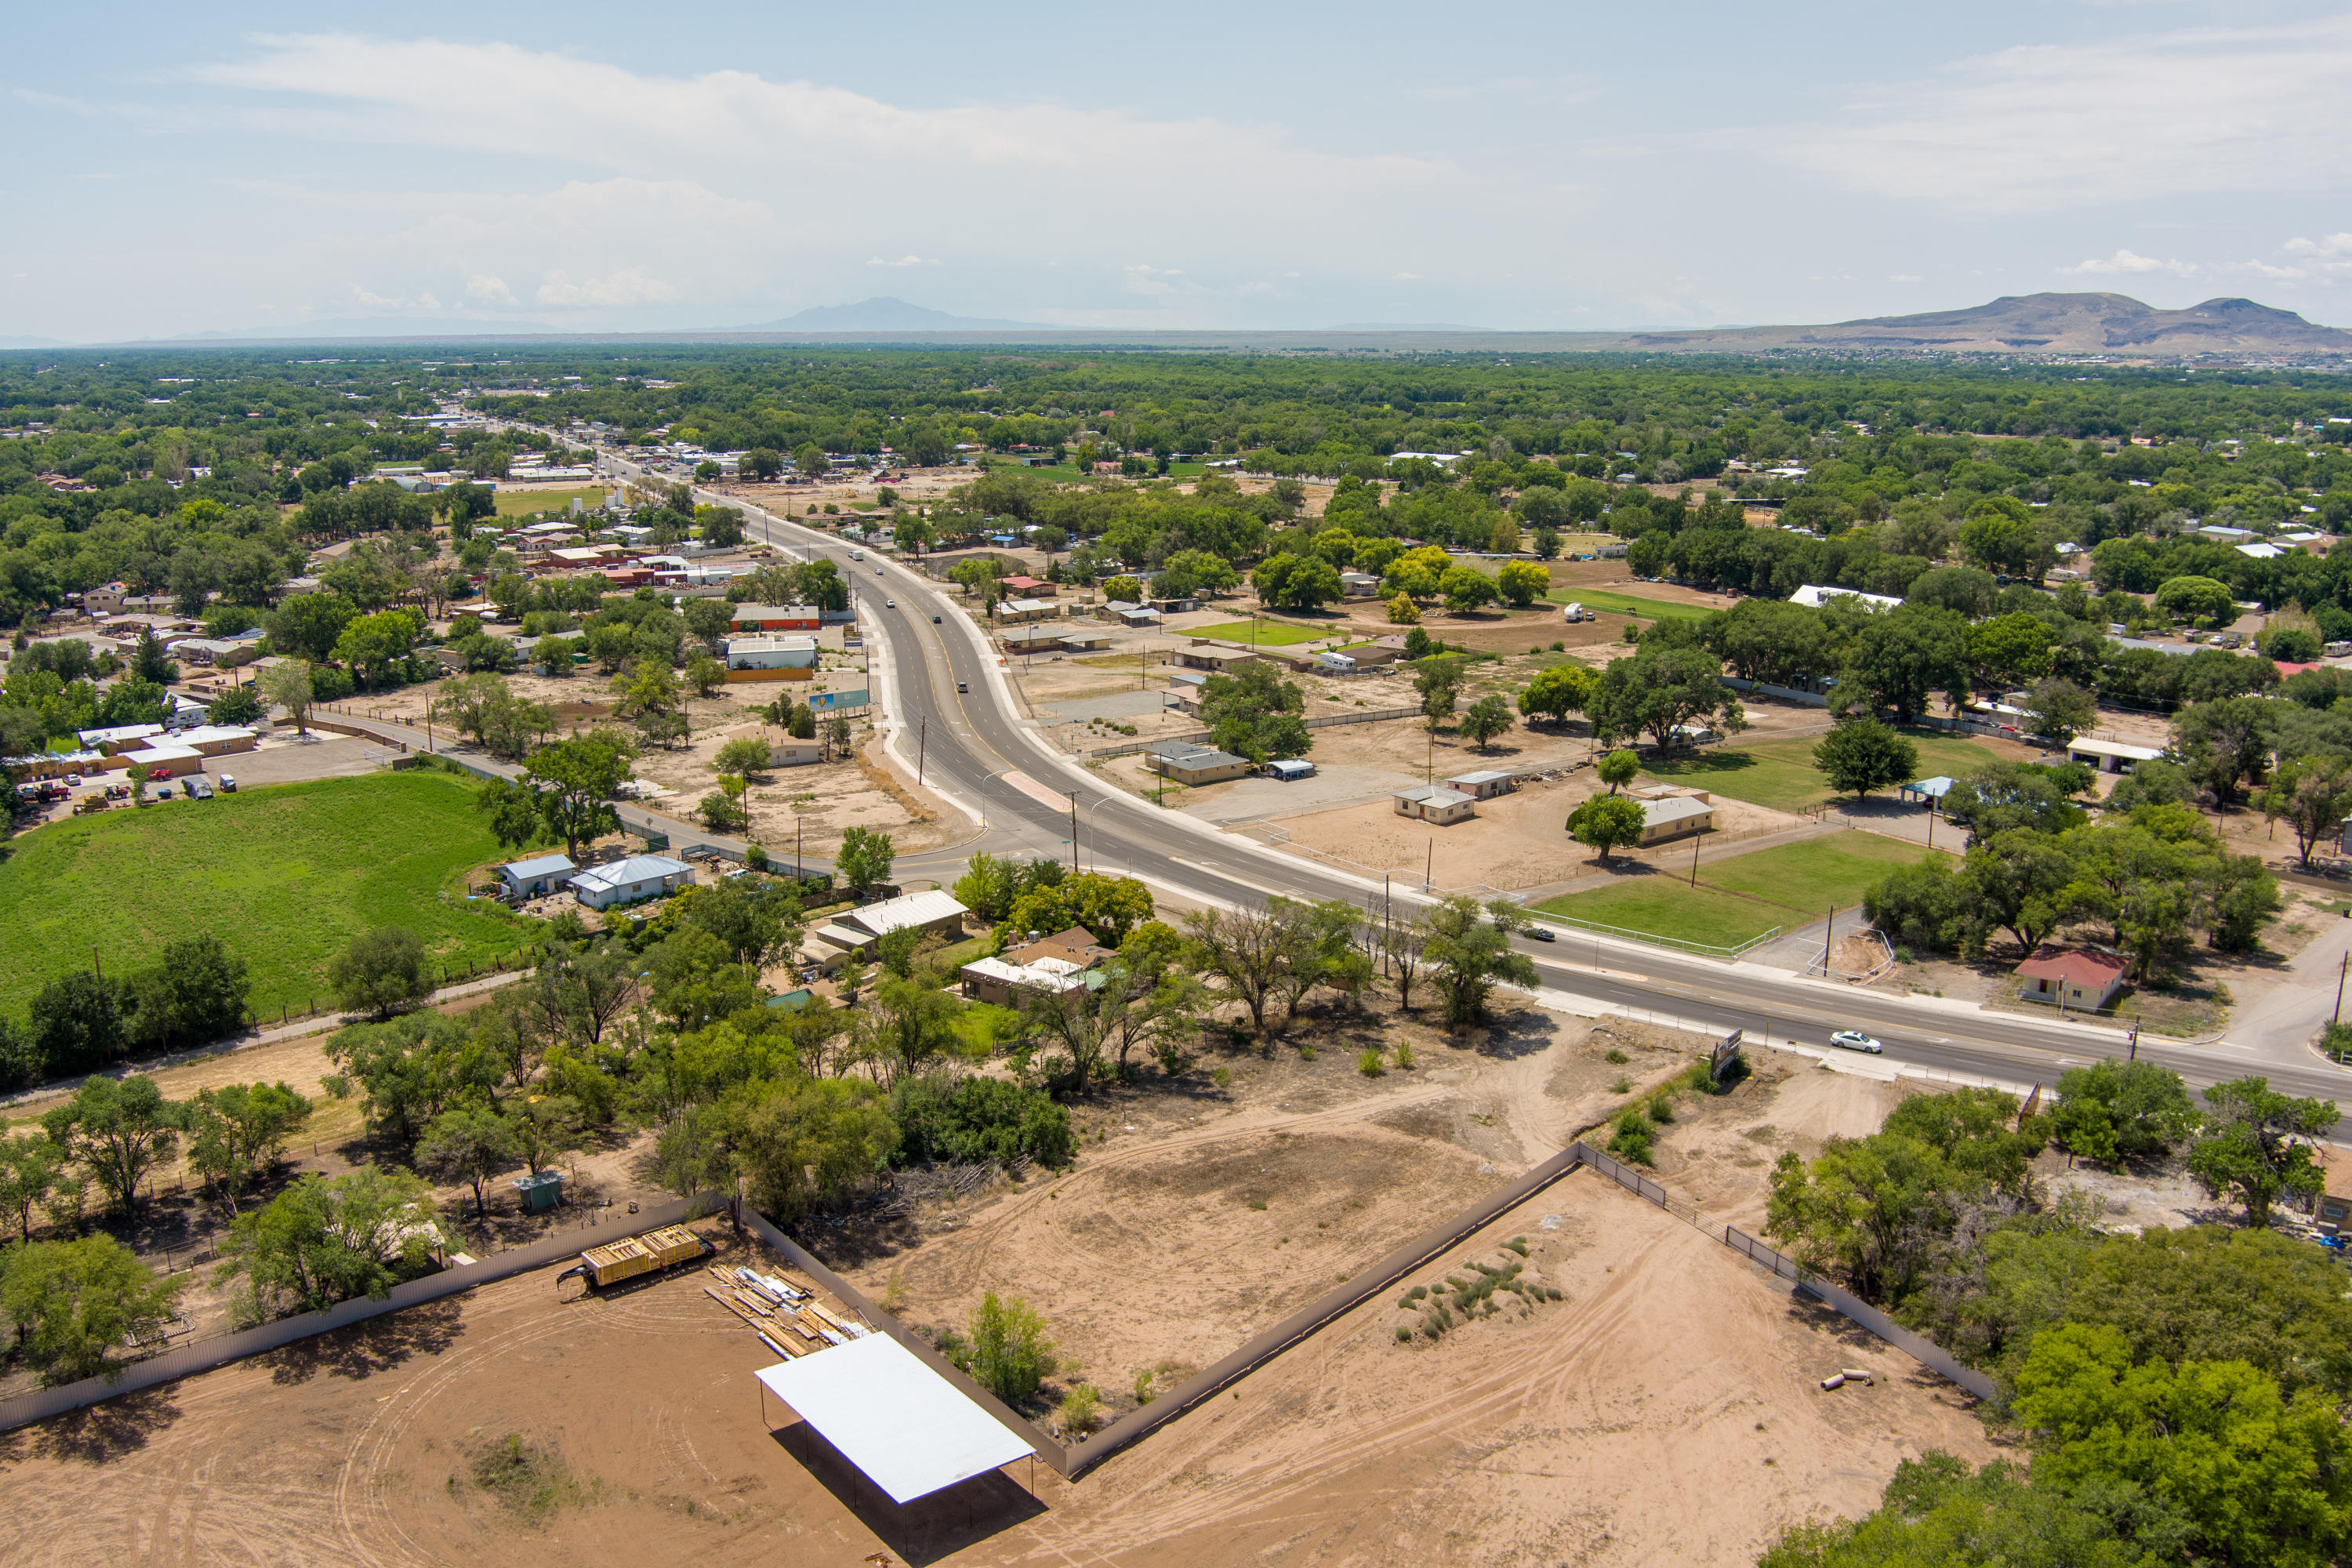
(1484, 785)
(2109, 756)
(630, 881)
(1288, 769)
(770, 659)
(929, 912)
(543, 874)
(1677, 818)
(756, 618)
(1190, 762)
(1435, 802)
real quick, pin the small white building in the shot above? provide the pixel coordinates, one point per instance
(1811, 596)
(770, 659)
(1360, 584)
(542, 874)
(1484, 785)
(630, 881)
(2109, 756)
(1435, 802)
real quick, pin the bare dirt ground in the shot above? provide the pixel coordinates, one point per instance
(1665, 1411)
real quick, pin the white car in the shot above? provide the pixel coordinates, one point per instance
(1855, 1040)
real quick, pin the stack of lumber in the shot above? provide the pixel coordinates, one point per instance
(636, 1255)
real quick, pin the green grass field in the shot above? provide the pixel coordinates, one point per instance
(1626, 604)
(522, 503)
(1814, 875)
(1780, 773)
(1263, 634)
(1662, 906)
(284, 876)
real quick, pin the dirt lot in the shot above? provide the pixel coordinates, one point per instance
(1664, 1412)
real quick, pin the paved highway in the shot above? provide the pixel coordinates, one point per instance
(944, 690)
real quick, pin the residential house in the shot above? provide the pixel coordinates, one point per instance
(630, 881)
(2085, 977)
(929, 912)
(1218, 658)
(1360, 584)
(1484, 785)
(2109, 756)
(1017, 610)
(770, 659)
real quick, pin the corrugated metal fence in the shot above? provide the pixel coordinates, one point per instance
(1368, 716)
(204, 1355)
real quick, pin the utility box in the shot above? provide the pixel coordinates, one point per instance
(541, 1192)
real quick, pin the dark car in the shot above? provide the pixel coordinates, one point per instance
(961, 689)
(935, 620)
(1541, 933)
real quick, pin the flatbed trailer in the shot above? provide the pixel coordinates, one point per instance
(652, 1253)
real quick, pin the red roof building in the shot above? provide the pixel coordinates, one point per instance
(2082, 977)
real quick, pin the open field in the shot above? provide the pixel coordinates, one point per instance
(522, 503)
(1268, 634)
(1664, 906)
(1780, 773)
(1626, 604)
(1665, 1411)
(1813, 873)
(284, 876)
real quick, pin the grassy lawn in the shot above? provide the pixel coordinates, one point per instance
(284, 876)
(1664, 906)
(1263, 634)
(522, 503)
(1626, 604)
(1814, 873)
(1780, 773)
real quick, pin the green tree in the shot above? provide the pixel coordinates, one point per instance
(2059, 711)
(1468, 951)
(1606, 821)
(2008, 650)
(327, 1239)
(1108, 907)
(2256, 1144)
(804, 1142)
(1870, 1209)
(2226, 741)
(990, 884)
(1659, 692)
(381, 972)
(1484, 720)
(307, 625)
(236, 705)
(1438, 682)
(72, 1301)
(471, 1144)
(1465, 589)
(864, 860)
(1557, 692)
(118, 1130)
(2315, 796)
(30, 1168)
(1617, 769)
(513, 810)
(575, 780)
(746, 754)
(2121, 1110)
(2257, 1479)
(239, 1129)
(810, 461)
(1253, 713)
(1899, 659)
(372, 644)
(2198, 599)
(1862, 754)
(1522, 583)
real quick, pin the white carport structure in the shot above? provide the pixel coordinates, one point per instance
(907, 1429)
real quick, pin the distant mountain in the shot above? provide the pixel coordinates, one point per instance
(30, 343)
(883, 315)
(2040, 324)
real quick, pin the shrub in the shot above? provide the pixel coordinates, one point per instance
(978, 1119)
(1143, 1390)
(1307, 1053)
(1222, 1078)
(1623, 1085)
(1404, 1057)
(1370, 1062)
(1662, 1107)
(1010, 1352)
(1517, 1243)
(1403, 1333)
(1616, 1056)
(1080, 1408)
(1631, 1135)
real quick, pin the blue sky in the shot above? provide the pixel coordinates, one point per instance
(594, 167)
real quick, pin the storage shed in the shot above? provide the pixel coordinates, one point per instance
(1675, 818)
(1435, 802)
(629, 881)
(1484, 785)
(1289, 768)
(542, 874)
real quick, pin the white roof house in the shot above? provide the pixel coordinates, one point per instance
(2109, 756)
(1811, 594)
(117, 735)
(928, 911)
(627, 881)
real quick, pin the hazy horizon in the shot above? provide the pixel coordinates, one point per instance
(582, 169)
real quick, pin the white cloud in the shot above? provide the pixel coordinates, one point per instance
(629, 286)
(1905, 278)
(2125, 261)
(488, 289)
(1408, 277)
(2038, 128)
(905, 261)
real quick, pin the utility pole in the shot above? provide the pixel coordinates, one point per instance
(1828, 940)
(2134, 1039)
(1695, 861)
(1429, 866)
(2340, 970)
(1074, 830)
(1386, 923)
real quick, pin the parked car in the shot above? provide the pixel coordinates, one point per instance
(228, 784)
(73, 780)
(200, 789)
(1855, 1040)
